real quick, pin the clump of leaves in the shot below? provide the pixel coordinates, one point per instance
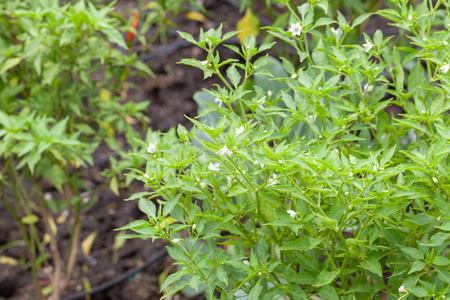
(303, 184)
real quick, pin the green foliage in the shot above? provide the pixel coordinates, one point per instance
(314, 189)
(62, 74)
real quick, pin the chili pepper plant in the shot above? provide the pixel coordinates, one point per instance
(62, 78)
(297, 178)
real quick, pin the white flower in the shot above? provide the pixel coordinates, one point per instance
(218, 100)
(274, 180)
(176, 241)
(445, 43)
(261, 102)
(47, 196)
(151, 148)
(334, 31)
(194, 226)
(444, 69)
(269, 93)
(239, 130)
(224, 150)
(291, 213)
(258, 163)
(350, 174)
(204, 63)
(229, 181)
(202, 185)
(146, 177)
(246, 262)
(410, 18)
(367, 46)
(346, 193)
(368, 88)
(296, 29)
(374, 168)
(294, 76)
(402, 289)
(435, 180)
(214, 166)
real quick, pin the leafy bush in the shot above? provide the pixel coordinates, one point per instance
(315, 189)
(61, 80)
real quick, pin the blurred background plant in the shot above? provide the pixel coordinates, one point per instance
(62, 85)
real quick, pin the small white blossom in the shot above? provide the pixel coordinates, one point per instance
(334, 31)
(435, 180)
(402, 289)
(444, 69)
(368, 88)
(258, 163)
(445, 43)
(374, 168)
(151, 148)
(294, 76)
(224, 150)
(214, 166)
(292, 213)
(274, 180)
(269, 93)
(350, 174)
(176, 241)
(367, 46)
(296, 29)
(424, 111)
(217, 100)
(424, 39)
(229, 181)
(194, 226)
(47, 197)
(204, 63)
(346, 193)
(261, 102)
(246, 262)
(239, 130)
(410, 17)
(203, 185)
(146, 177)
(65, 213)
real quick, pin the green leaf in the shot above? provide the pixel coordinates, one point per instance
(441, 261)
(114, 36)
(444, 275)
(328, 292)
(147, 207)
(326, 277)
(413, 252)
(134, 224)
(445, 226)
(299, 245)
(175, 288)
(222, 275)
(10, 63)
(168, 207)
(233, 75)
(422, 219)
(416, 266)
(437, 240)
(387, 209)
(255, 291)
(387, 156)
(418, 291)
(30, 219)
(443, 131)
(372, 265)
(323, 21)
(360, 19)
